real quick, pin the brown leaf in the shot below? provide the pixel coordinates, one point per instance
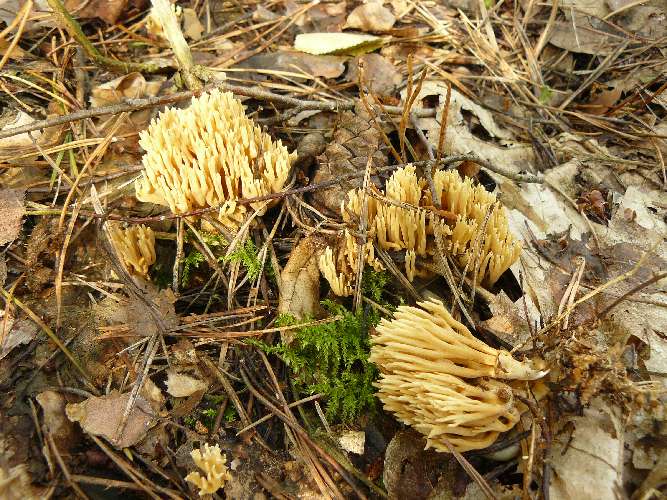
(20, 332)
(380, 76)
(130, 86)
(107, 10)
(300, 280)
(296, 62)
(101, 416)
(11, 214)
(134, 313)
(585, 40)
(192, 27)
(588, 462)
(372, 17)
(61, 429)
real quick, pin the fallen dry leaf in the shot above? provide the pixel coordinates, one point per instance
(180, 385)
(60, 428)
(192, 27)
(20, 332)
(460, 139)
(352, 441)
(300, 280)
(296, 62)
(371, 17)
(380, 76)
(12, 119)
(15, 484)
(588, 464)
(11, 214)
(130, 86)
(133, 314)
(108, 11)
(337, 43)
(101, 416)
(583, 39)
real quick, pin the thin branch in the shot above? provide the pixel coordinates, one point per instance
(65, 19)
(150, 102)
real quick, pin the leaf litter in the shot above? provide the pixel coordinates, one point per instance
(233, 343)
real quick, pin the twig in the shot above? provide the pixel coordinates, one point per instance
(300, 431)
(632, 291)
(74, 29)
(150, 102)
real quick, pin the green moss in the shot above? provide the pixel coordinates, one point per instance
(248, 255)
(190, 263)
(332, 359)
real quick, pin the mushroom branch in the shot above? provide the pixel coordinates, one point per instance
(437, 377)
(135, 245)
(404, 218)
(210, 155)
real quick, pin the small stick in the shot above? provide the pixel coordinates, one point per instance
(75, 31)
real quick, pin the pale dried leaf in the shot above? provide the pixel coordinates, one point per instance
(192, 27)
(581, 39)
(101, 416)
(12, 119)
(588, 463)
(296, 62)
(373, 17)
(11, 214)
(336, 43)
(130, 86)
(60, 427)
(15, 484)
(180, 385)
(300, 280)
(353, 441)
(21, 332)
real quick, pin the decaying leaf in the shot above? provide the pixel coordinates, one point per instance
(300, 280)
(587, 463)
(15, 484)
(101, 416)
(354, 141)
(130, 86)
(380, 76)
(337, 43)
(12, 119)
(295, 62)
(180, 385)
(192, 27)
(371, 17)
(59, 426)
(133, 316)
(460, 139)
(19, 332)
(107, 10)
(352, 441)
(11, 214)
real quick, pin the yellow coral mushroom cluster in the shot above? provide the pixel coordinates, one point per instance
(212, 463)
(470, 219)
(210, 155)
(443, 381)
(135, 246)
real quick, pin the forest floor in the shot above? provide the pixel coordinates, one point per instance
(134, 332)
